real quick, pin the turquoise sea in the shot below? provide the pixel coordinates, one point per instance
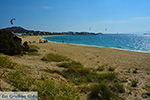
(119, 41)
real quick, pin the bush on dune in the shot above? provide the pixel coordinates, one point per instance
(10, 44)
(102, 92)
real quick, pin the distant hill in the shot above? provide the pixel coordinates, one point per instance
(17, 30)
(23, 31)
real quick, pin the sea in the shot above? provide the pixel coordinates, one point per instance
(133, 42)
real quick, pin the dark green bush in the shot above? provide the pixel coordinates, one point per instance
(10, 44)
(134, 83)
(135, 71)
(111, 68)
(101, 92)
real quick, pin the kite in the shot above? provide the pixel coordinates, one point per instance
(11, 21)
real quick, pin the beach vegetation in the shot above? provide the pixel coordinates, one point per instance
(70, 64)
(26, 46)
(33, 50)
(135, 70)
(56, 90)
(147, 87)
(134, 83)
(55, 58)
(102, 92)
(85, 75)
(22, 80)
(34, 47)
(117, 87)
(5, 62)
(10, 44)
(47, 88)
(110, 68)
(100, 68)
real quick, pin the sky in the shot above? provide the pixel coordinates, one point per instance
(106, 16)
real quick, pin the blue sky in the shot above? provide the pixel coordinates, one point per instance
(124, 16)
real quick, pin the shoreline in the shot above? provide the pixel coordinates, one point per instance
(84, 45)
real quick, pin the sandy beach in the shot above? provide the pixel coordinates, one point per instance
(94, 56)
(91, 57)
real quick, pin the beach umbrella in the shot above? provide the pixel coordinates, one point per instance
(11, 21)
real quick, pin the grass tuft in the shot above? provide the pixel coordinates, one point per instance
(102, 92)
(33, 50)
(46, 87)
(111, 68)
(55, 57)
(134, 83)
(21, 81)
(117, 87)
(70, 64)
(100, 68)
(5, 62)
(85, 75)
(56, 90)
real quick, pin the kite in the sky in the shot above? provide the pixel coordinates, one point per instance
(11, 21)
(90, 28)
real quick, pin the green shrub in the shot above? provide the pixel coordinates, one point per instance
(70, 64)
(134, 83)
(34, 47)
(10, 44)
(46, 87)
(135, 70)
(147, 87)
(107, 76)
(54, 57)
(21, 81)
(50, 89)
(85, 75)
(5, 62)
(100, 68)
(117, 87)
(102, 92)
(111, 68)
(33, 50)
